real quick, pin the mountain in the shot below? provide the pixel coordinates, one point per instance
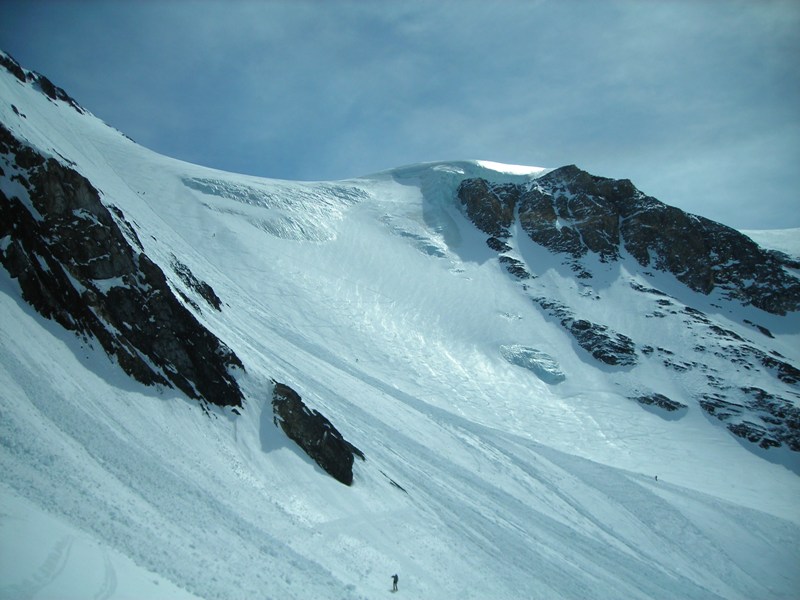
(495, 381)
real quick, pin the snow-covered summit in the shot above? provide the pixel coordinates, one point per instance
(514, 401)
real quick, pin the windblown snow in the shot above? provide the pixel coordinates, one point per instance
(500, 462)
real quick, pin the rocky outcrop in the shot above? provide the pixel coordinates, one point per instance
(758, 416)
(201, 288)
(562, 214)
(661, 401)
(315, 434)
(574, 213)
(598, 340)
(514, 266)
(607, 346)
(75, 265)
(44, 85)
(489, 205)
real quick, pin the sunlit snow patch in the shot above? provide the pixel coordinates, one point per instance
(782, 240)
(511, 169)
(544, 366)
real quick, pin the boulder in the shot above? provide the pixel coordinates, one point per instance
(660, 401)
(314, 433)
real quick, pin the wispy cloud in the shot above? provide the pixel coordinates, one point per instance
(674, 95)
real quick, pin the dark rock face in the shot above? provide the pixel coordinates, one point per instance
(514, 266)
(497, 245)
(564, 215)
(205, 291)
(754, 433)
(75, 266)
(661, 401)
(314, 434)
(606, 346)
(778, 418)
(572, 212)
(12, 66)
(40, 81)
(490, 206)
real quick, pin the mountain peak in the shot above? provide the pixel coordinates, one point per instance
(572, 212)
(40, 82)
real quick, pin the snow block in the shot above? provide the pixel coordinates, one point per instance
(544, 366)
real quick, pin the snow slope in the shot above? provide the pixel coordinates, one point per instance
(379, 302)
(783, 240)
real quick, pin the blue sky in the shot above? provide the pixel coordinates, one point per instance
(697, 102)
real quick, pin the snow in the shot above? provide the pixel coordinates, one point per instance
(784, 240)
(382, 306)
(542, 364)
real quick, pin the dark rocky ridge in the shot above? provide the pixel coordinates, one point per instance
(46, 86)
(661, 401)
(572, 212)
(314, 433)
(598, 340)
(205, 291)
(779, 418)
(75, 266)
(490, 205)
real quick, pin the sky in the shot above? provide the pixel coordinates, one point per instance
(697, 102)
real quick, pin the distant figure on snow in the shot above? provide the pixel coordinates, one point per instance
(394, 582)
(656, 477)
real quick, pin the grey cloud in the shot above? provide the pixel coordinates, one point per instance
(673, 95)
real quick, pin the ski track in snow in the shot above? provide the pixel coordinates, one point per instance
(379, 302)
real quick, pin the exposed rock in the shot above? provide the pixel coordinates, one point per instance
(563, 212)
(12, 66)
(201, 287)
(716, 405)
(573, 213)
(761, 328)
(489, 205)
(661, 401)
(40, 81)
(761, 417)
(314, 434)
(607, 346)
(515, 267)
(497, 245)
(754, 433)
(602, 343)
(75, 266)
(780, 416)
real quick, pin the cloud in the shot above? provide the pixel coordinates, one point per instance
(315, 90)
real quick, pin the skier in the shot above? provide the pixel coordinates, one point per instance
(656, 477)
(394, 582)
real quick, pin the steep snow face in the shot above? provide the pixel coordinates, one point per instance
(381, 303)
